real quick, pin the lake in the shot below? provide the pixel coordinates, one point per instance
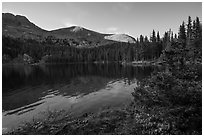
(29, 91)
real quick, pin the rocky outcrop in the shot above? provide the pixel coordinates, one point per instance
(121, 38)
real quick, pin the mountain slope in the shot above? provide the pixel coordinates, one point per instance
(17, 26)
(20, 26)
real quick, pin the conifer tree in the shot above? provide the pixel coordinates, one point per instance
(189, 31)
(137, 42)
(194, 30)
(146, 39)
(182, 34)
(172, 36)
(198, 29)
(158, 36)
(197, 33)
(141, 39)
(153, 37)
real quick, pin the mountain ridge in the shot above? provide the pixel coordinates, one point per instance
(18, 26)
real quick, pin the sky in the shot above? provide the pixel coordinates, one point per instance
(132, 18)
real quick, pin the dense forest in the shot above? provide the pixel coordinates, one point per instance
(53, 50)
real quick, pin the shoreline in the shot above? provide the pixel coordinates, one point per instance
(134, 63)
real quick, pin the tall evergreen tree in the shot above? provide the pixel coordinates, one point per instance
(182, 34)
(172, 36)
(194, 30)
(166, 40)
(158, 37)
(198, 29)
(189, 31)
(153, 37)
(137, 42)
(141, 39)
(197, 33)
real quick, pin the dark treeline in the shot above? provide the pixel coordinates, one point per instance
(52, 50)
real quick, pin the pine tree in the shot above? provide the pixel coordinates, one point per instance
(182, 34)
(194, 30)
(153, 37)
(198, 29)
(189, 31)
(137, 42)
(197, 33)
(158, 37)
(172, 36)
(166, 41)
(146, 39)
(141, 39)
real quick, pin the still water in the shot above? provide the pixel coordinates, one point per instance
(28, 91)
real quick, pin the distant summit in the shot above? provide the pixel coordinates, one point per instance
(121, 38)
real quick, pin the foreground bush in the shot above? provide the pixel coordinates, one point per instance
(177, 102)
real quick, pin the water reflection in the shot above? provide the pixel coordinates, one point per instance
(27, 84)
(52, 74)
(28, 90)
